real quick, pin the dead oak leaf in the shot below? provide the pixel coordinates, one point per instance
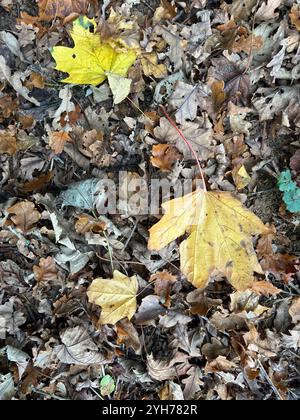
(8, 143)
(117, 297)
(24, 215)
(164, 157)
(46, 271)
(57, 141)
(220, 232)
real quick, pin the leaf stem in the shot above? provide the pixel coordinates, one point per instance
(187, 142)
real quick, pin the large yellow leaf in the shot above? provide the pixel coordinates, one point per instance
(117, 297)
(220, 230)
(90, 60)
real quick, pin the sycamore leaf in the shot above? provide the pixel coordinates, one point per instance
(117, 297)
(90, 60)
(219, 229)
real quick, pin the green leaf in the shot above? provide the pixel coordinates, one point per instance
(291, 195)
(107, 385)
(285, 182)
(292, 200)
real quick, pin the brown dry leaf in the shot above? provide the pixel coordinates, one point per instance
(268, 346)
(8, 142)
(230, 322)
(237, 82)
(46, 271)
(57, 141)
(149, 309)
(86, 223)
(264, 288)
(295, 16)
(128, 335)
(199, 137)
(36, 80)
(37, 183)
(162, 370)
(218, 94)
(267, 10)
(220, 230)
(201, 304)
(116, 296)
(294, 310)
(25, 215)
(165, 11)
(221, 364)
(151, 67)
(52, 9)
(171, 392)
(295, 162)
(162, 286)
(164, 157)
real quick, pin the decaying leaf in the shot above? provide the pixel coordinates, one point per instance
(116, 296)
(46, 271)
(25, 215)
(151, 67)
(8, 142)
(57, 140)
(161, 370)
(220, 230)
(78, 348)
(164, 156)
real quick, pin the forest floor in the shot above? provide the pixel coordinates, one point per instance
(226, 74)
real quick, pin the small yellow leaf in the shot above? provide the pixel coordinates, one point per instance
(241, 177)
(91, 59)
(219, 229)
(117, 297)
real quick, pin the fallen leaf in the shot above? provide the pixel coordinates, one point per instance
(265, 288)
(220, 230)
(38, 183)
(8, 142)
(294, 310)
(295, 16)
(120, 87)
(86, 223)
(25, 215)
(267, 10)
(221, 364)
(201, 304)
(199, 137)
(46, 271)
(192, 383)
(161, 370)
(151, 67)
(171, 392)
(237, 82)
(57, 140)
(128, 335)
(187, 99)
(78, 348)
(107, 386)
(117, 297)
(163, 281)
(149, 309)
(241, 10)
(164, 157)
(241, 177)
(90, 61)
(51, 9)
(268, 346)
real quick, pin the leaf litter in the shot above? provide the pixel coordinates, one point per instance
(198, 300)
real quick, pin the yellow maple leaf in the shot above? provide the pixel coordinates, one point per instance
(220, 230)
(91, 60)
(117, 297)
